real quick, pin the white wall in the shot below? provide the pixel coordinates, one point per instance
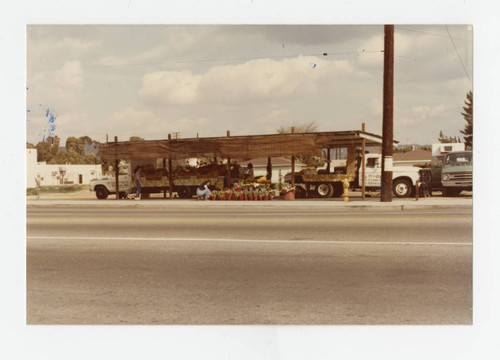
(50, 174)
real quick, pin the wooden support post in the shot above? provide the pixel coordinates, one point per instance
(328, 161)
(170, 175)
(117, 182)
(293, 162)
(228, 133)
(269, 169)
(170, 179)
(363, 165)
(164, 168)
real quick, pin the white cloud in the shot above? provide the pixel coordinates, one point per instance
(255, 80)
(170, 87)
(70, 76)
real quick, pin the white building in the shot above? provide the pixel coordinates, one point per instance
(58, 174)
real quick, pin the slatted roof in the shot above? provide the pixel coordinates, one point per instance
(237, 147)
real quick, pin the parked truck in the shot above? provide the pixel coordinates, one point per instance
(439, 151)
(156, 180)
(322, 184)
(456, 173)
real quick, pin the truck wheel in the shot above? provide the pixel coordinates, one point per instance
(101, 192)
(338, 190)
(401, 188)
(451, 191)
(324, 190)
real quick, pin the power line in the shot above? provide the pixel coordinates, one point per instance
(429, 33)
(458, 54)
(222, 60)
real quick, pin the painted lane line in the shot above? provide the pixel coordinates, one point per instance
(250, 240)
(228, 219)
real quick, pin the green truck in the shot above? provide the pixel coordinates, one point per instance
(451, 167)
(456, 173)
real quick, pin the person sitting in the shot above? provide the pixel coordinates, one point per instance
(203, 192)
(249, 174)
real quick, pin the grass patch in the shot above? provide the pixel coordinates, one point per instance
(63, 189)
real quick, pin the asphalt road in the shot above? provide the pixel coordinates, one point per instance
(255, 266)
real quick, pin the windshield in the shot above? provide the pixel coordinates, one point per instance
(458, 158)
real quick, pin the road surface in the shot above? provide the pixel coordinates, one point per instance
(248, 266)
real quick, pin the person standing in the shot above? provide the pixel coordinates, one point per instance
(203, 192)
(137, 178)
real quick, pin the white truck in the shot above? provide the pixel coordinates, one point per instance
(321, 184)
(106, 184)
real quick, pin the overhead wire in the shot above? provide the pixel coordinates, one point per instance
(221, 60)
(458, 54)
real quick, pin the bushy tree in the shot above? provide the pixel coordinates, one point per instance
(304, 128)
(75, 144)
(60, 158)
(468, 116)
(48, 148)
(90, 158)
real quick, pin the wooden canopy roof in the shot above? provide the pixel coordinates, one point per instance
(237, 147)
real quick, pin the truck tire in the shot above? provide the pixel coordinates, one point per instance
(324, 190)
(449, 191)
(101, 192)
(401, 188)
(338, 190)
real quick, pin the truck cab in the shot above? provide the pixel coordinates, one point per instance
(105, 185)
(456, 173)
(404, 178)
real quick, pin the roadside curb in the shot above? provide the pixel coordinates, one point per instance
(357, 204)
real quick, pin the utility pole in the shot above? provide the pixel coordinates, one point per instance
(388, 112)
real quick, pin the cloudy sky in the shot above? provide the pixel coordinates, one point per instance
(152, 80)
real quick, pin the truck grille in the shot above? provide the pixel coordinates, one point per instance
(463, 176)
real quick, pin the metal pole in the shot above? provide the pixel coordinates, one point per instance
(387, 124)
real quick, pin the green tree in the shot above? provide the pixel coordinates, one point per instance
(47, 149)
(467, 114)
(87, 140)
(443, 139)
(75, 144)
(30, 145)
(60, 158)
(136, 138)
(74, 157)
(90, 158)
